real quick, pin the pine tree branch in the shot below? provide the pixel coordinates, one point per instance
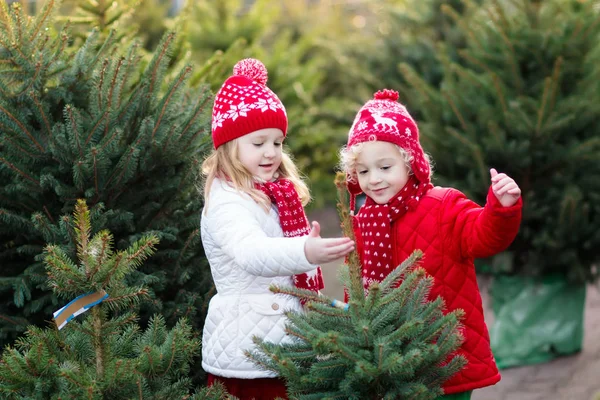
(48, 214)
(126, 74)
(4, 17)
(41, 19)
(30, 80)
(500, 94)
(137, 92)
(113, 83)
(83, 230)
(139, 385)
(101, 81)
(118, 259)
(193, 137)
(591, 27)
(199, 110)
(41, 221)
(23, 128)
(12, 142)
(4, 317)
(184, 249)
(118, 299)
(6, 201)
(296, 334)
(347, 217)
(514, 66)
(12, 47)
(333, 313)
(105, 46)
(96, 125)
(94, 153)
(42, 113)
(17, 10)
(172, 354)
(132, 150)
(555, 80)
(59, 51)
(109, 141)
(98, 341)
(449, 11)
(17, 170)
(74, 128)
(100, 259)
(11, 353)
(456, 111)
(169, 136)
(163, 51)
(305, 294)
(73, 381)
(182, 78)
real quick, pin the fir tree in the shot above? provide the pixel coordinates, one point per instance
(104, 15)
(98, 123)
(104, 354)
(524, 99)
(392, 343)
(410, 33)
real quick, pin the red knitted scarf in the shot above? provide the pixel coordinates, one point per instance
(293, 223)
(375, 220)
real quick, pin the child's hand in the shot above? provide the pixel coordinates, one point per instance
(320, 251)
(505, 188)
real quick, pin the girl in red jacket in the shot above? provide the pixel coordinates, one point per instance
(404, 212)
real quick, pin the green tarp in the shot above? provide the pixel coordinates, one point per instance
(535, 320)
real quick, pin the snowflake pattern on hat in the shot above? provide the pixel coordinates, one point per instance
(245, 104)
(227, 109)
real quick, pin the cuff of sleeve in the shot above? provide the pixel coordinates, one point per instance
(303, 261)
(495, 207)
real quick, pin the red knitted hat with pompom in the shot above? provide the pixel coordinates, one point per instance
(245, 104)
(384, 119)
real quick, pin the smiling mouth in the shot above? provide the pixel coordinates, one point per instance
(378, 190)
(265, 165)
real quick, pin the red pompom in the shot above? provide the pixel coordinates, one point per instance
(253, 69)
(386, 94)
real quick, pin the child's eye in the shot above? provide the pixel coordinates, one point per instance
(385, 167)
(278, 144)
(362, 172)
(257, 144)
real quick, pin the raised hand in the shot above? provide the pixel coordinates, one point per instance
(319, 250)
(505, 188)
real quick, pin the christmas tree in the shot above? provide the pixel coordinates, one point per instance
(524, 99)
(391, 343)
(103, 354)
(100, 123)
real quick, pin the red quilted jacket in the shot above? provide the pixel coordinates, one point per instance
(452, 231)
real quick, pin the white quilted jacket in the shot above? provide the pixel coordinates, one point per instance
(247, 253)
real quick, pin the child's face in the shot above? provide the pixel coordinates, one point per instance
(260, 152)
(381, 170)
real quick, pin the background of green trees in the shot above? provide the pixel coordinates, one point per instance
(509, 84)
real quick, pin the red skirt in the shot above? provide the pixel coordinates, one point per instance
(252, 389)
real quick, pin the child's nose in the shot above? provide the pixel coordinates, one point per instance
(269, 151)
(374, 178)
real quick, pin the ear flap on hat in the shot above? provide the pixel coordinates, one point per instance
(354, 190)
(352, 185)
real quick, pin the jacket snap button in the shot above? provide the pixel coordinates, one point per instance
(275, 306)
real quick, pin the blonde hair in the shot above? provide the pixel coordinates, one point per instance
(349, 156)
(224, 163)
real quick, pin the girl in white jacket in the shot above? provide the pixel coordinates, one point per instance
(255, 233)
